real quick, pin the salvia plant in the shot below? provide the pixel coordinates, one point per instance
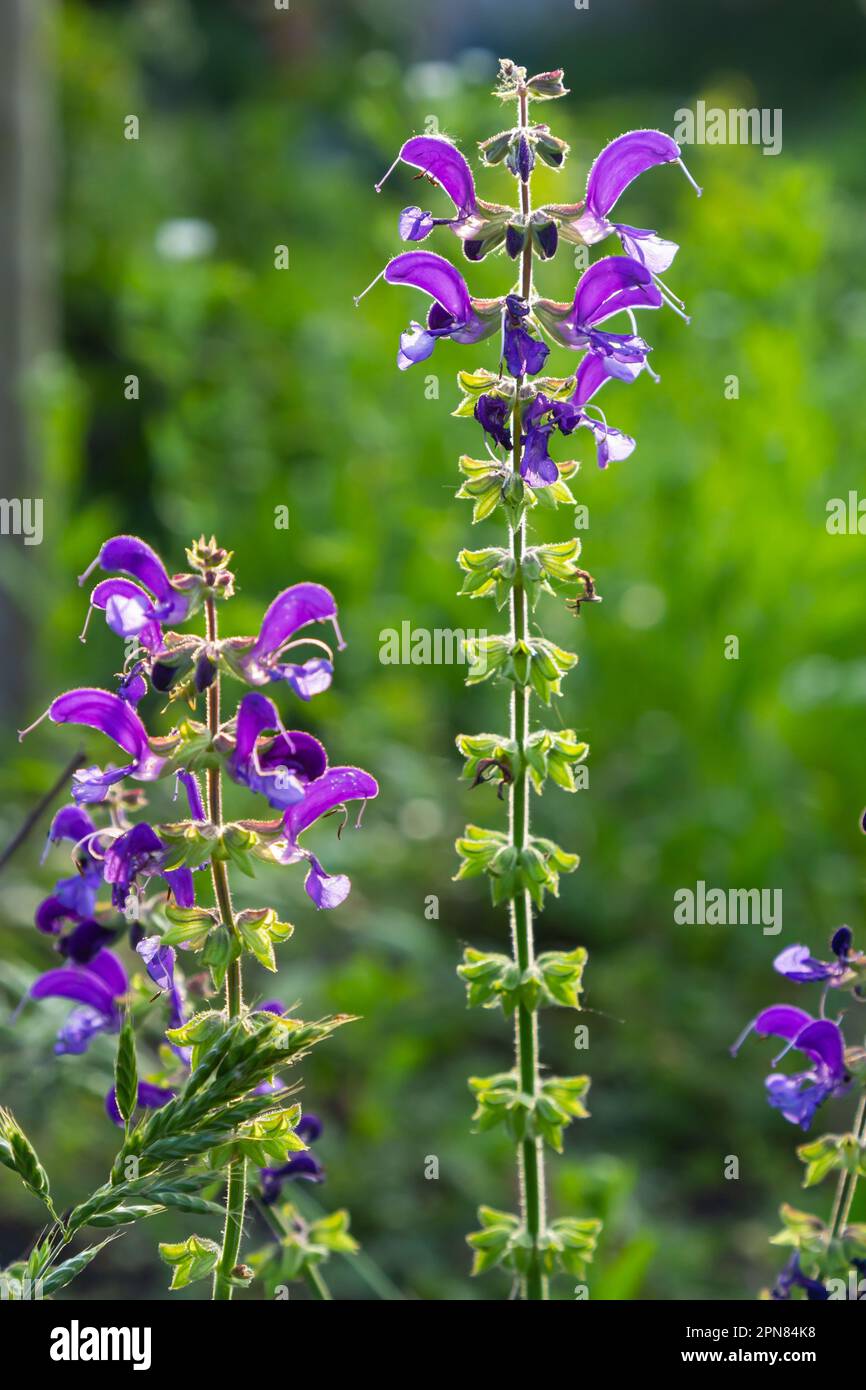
(828, 1257)
(521, 409)
(201, 1097)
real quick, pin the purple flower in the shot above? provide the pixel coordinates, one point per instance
(85, 941)
(796, 963)
(281, 771)
(133, 686)
(136, 852)
(445, 165)
(611, 444)
(189, 782)
(150, 1097)
(114, 717)
(800, 1094)
(524, 355)
(300, 1165)
(293, 609)
(613, 285)
(96, 988)
(74, 898)
(540, 419)
(322, 796)
(130, 611)
(493, 414)
(792, 1277)
(158, 961)
(618, 165)
(453, 314)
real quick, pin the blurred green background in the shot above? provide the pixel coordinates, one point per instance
(261, 388)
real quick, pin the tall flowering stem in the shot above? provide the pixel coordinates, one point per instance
(520, 413)
(236, 1190)
(531, 1151)
(212, 1098)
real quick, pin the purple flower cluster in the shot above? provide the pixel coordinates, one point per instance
(118, 857)
(820, 1041)
(616, 286)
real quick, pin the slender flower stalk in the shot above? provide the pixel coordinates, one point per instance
(531, 1149)
(520, 413)
(237, 1185)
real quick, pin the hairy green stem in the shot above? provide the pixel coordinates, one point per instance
(530, 1155)
(236, 1190)
(845, 1199)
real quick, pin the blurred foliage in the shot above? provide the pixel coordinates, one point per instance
(261, 388)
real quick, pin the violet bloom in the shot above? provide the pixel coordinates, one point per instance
(796, 963)
(301, 1165)
(150, 1097)
(792, 1277)
(540, 419)
(493, 413)
(453, 313)
(281, 771)
(114, 717)
(97, 988)
(130, 610)
(159, 964)
(442, 162)
(618, 165)
(524, 355)
(328, 792)
(800, 1094)
(613, 285)
(133, 686)
(611, 444)
(73, 898)
(293, 609)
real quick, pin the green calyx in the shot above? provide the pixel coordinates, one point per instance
(535, 869)
(544, 1115)
(555, 978)
(529, 662)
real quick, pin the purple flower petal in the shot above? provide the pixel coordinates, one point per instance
(309, 679)
(291, 610)
(102, 710)
(85, 986)
(610, 285)
(85, 941)
(129, 611)
(440, 159)
(338, 785)
(109, 969)
(180, 881)
(326, 890)
(133, 556)
(158, 961)
(189, 781)
(822, 1041)
(782, 1021)
(647, 247)
(71, 823)
(622, 161)
(435, 276)
(796, 963)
